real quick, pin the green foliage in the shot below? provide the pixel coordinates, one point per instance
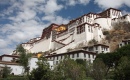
(118, 63)
(92, 42)
(14, 78)
(42, 72)
(112, 59)
(122, 71)
(24, 58)
(6, 72)
(81, 61)
(69, 49)
(98, 70)
(20, 49)
(124, 51)
(69, 70)
(109, 37)
(105, 32)
(107, 58)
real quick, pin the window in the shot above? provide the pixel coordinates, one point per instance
(57, 57)
(83, 27)
(96, 48)
(56, 62)
(77, 54)
(106, 49)
(84, 55)
(96, 51)
(102, 47)
(89, 61)
(93, 55)
(89, 28)
(88, 55)
(80, 29)
(72, 55)
(125, 43)
(100, 36)
(69, 56)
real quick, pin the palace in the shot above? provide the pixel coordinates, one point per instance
(81, 38)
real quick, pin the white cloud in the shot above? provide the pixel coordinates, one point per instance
(84, 1)
(6, 50)
(3, 43)
(127, 2)
(25, 22)
(112, 3)
(55, 19)
(25, 15)
(74, 2)
(125, 12)
(52, 6)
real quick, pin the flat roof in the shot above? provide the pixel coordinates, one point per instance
(71, 52)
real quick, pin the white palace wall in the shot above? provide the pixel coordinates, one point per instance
(94, 24)
(105, 23)
(42, 45)
(89, 32)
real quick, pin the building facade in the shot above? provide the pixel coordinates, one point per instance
(11, 61)
(81, 38)
(76, 35)
(124, 43)
(59, 38)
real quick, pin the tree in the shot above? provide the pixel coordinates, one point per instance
(81, 61)
(113, 61)
(108, 59)
(69, 69)
(124, 51)
(98, 70)
(122, 71)
(6, 72)
(42, 72)
(24, 58)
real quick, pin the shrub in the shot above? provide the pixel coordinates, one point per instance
(14, 78)
(105, 32)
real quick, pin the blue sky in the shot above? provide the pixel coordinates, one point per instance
(21, 20)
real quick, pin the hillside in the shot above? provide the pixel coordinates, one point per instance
(119, 32)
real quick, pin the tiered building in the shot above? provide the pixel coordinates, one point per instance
(81, 38)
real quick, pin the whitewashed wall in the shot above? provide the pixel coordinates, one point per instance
(64, 49)
(115, 13)
(6, 58)
(121, 19)
(32, 63)
(62, 37)
(69, 39)
(42, 45)
(57, 59)
(105, 23)
(16, 69)
(89, 35)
